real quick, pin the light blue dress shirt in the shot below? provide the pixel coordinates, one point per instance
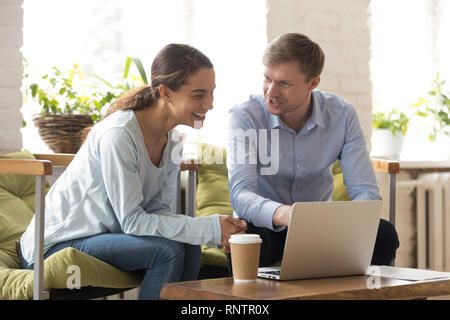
(294, 167)
(112, 186)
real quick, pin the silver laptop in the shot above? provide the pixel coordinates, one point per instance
(328, 239)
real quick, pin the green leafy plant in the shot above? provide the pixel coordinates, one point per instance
(435, 107)
(66, 93)
(394, 120)
(70, 92)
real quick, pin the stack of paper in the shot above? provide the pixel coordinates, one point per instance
(406, 273)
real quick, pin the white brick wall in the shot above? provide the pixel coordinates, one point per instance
(340, 27)
(11, 38)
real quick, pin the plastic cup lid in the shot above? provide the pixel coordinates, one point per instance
(245, 238)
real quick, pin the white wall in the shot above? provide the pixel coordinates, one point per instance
(11, 38)
(341, 29)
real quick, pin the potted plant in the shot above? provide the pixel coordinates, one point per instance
(69, 103)
(388, 134)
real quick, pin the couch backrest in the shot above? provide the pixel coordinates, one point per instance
(212, 194)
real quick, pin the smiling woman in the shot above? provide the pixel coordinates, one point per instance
(178, 71)
(114, 202)
(200, 88)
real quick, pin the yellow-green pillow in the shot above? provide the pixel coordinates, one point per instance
(17, 284)
(20, 185)
(340, 191)
(16, 209)
(212, 195)
(213, 257)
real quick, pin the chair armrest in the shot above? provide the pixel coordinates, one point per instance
(392, 168)
(58, 159)
(380, 165)
(26, 166)
(386, 166)
(190, 165)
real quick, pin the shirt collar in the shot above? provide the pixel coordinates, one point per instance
(315, 119)
(275, 121)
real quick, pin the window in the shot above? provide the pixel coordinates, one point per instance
(99, 35)
(409, 46)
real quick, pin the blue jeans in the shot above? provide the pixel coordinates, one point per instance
(162, 259)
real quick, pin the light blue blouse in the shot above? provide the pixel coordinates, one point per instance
(112, 186)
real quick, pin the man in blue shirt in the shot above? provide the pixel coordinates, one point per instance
(282, 146)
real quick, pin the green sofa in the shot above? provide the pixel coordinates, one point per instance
(17, 202)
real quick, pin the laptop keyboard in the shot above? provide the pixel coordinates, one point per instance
(275, 272)
(269, 272)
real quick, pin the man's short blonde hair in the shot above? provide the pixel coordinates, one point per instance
(296, 47)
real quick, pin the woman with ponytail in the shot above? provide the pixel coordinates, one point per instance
(113, 201)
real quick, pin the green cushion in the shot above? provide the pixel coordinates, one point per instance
(20, 185)
(17, 284)
(16, 211)
(212, 186)
(213, 257)
(340, 191)
(213, 195)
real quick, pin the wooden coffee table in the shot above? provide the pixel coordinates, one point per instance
(353, 287)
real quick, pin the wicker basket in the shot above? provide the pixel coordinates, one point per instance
(61, 133)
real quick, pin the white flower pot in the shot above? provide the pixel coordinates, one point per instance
(385, 144)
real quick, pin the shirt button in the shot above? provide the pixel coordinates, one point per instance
(295, 188)
(297, 137)
(298, 166)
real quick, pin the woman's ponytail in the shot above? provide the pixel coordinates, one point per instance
(134, 99)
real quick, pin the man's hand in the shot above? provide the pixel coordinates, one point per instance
(229, 226)
(282, 216)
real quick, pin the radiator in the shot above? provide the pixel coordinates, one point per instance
(433, 221)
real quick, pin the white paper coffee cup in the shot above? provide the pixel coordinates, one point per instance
(245, 249)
